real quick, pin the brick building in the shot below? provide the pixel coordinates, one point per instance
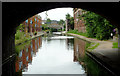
(78, 21)
(33, 24)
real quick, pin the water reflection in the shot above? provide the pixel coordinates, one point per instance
(55, 58)
(26, 54)
(79, 50)
(58, 55)
(90, 66)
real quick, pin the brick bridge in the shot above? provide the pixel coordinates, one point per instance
(15, 13)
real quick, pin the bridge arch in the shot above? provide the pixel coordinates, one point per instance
(15, 13)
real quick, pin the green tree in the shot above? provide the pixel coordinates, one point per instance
(97, 26)
(61, 22)
(70, 21)
(48, 21)
(68, 16)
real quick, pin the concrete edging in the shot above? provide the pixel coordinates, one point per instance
(91, 55)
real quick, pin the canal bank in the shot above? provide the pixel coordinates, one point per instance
(58, 54)
(104, 54)
(34, 36)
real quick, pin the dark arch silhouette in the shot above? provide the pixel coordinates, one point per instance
(15, 13)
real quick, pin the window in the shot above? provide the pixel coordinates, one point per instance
(31, 21)
(26, 21)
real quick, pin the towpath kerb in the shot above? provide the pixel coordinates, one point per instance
(104, 53)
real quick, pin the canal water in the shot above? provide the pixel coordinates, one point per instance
(56, 54)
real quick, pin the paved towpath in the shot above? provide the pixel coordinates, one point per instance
(105, 53)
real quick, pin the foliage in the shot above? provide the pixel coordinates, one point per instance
(44, 27)
(115, 45)
(20, 27)
(93, 46)
(70, 21)
(53, 29)
(68, 16)
(61, 22)
(97, 26)
(20, 36)
(48, 21)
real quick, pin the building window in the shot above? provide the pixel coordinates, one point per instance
(31, 21)
(26, 21)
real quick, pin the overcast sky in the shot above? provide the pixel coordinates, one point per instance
(57, 14)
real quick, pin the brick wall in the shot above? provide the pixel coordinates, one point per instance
(32, 24)
(78, 23)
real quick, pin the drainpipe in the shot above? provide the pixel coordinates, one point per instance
(118, 38)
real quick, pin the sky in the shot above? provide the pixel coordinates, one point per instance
(57, 13)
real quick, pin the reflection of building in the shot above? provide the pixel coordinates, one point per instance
(70, 43)
(78, 20)
(79, 49)
(26, 54)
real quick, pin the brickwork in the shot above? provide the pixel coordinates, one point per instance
(78, 23)
(32, 24)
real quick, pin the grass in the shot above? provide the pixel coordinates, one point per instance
(115, 45)
(20, 37)
(90, 46)
(93, 46)
(21, 40)
(78, 33)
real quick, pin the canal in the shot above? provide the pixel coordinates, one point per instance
(56, 54)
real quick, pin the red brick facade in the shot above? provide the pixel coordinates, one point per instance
(33, 24)
(78, 23)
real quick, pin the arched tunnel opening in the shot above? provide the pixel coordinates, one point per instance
(16, 13)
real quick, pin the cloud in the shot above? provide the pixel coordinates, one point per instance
(57, 14)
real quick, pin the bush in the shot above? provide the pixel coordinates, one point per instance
(97, 26)
(19, 34)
